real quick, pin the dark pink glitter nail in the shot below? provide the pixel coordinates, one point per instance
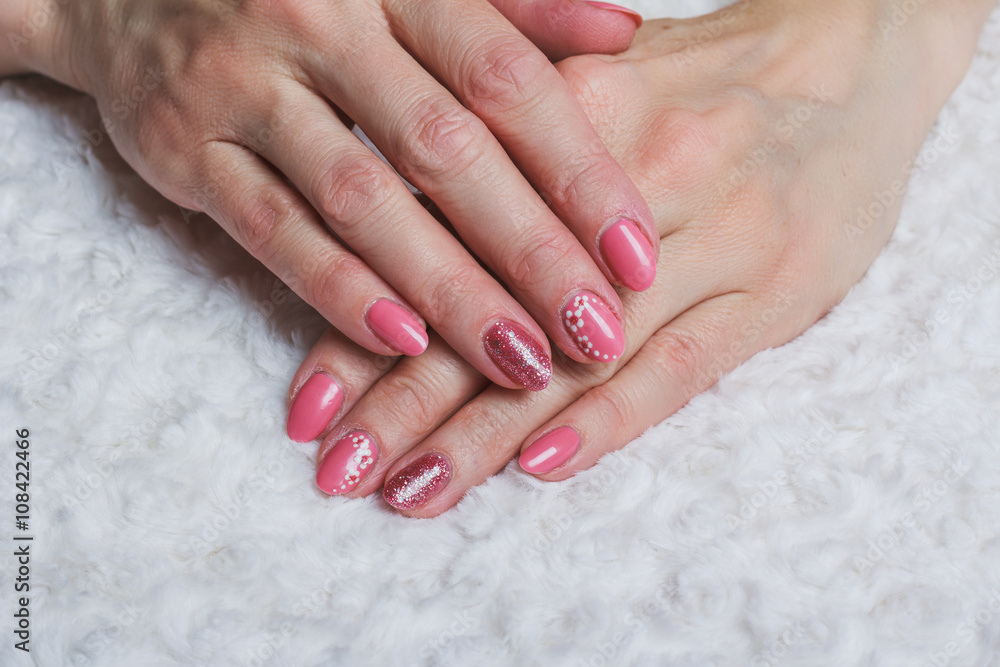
(415, 484)
(519, 355)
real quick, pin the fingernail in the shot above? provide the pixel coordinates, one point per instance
(418, 482)
(627, 253)
(634, 15)
(594, 327)
(397, 327)
(550, 451)
(346, 464)
(314, 406)
(518, 355)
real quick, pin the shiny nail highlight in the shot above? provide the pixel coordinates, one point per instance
(397, 327)
(550, 451)
(634, 15)
(594, 328)
(628, 254)
(314, 406)
(418, 482)
(347, 463)
(518, 355)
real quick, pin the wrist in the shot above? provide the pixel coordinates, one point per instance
(35, 39)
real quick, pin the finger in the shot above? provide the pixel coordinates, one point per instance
(563, 28)
(331, 379)
(499, 76)
(449, 154)
(400, 410)
(272, 222)
(681, 360)
(370, 209)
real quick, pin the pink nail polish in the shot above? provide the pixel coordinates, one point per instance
(518, 355)
(594, 327)
(418, 482)
(347, 463)
(397, 327)
(634, 15)
(627, 253)
(314, 406)
(550, 451)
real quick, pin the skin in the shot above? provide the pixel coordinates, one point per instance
(243, 110)
(765, 138)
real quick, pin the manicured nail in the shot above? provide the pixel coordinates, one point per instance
(550, 451)
(518, 355)
(418, 482)
(594, 327)
(627, 253)
(397, 327)
(634, 15)
(314, 406)
(347, 463)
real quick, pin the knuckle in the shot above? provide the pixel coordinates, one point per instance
(488, 429)
(590, 77)
(263, 220)
(412, 401)
(687, 141)
(445, 139)
(449, 291)
(505, 74)
(329, 282)
(533, 258)
(680, 357)
(587, 172)
(352, 189)
(611, 406)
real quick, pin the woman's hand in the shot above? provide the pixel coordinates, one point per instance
(773, 142)
(243, 110)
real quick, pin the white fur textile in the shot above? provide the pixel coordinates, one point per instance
(835, 501)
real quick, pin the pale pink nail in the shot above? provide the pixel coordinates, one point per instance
(520, 356)
(418, 482)
(627, 253)
(397, 327)
(550, 451)
(634, 15)
(347, 463)
(314, 406)
(594, 328)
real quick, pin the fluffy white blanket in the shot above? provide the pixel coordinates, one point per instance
(832, 502)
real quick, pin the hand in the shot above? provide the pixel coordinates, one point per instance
(243, 110)
(775, 173)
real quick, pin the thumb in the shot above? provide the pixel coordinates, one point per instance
(563, 28)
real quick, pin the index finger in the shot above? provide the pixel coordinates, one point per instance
(520, 96)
